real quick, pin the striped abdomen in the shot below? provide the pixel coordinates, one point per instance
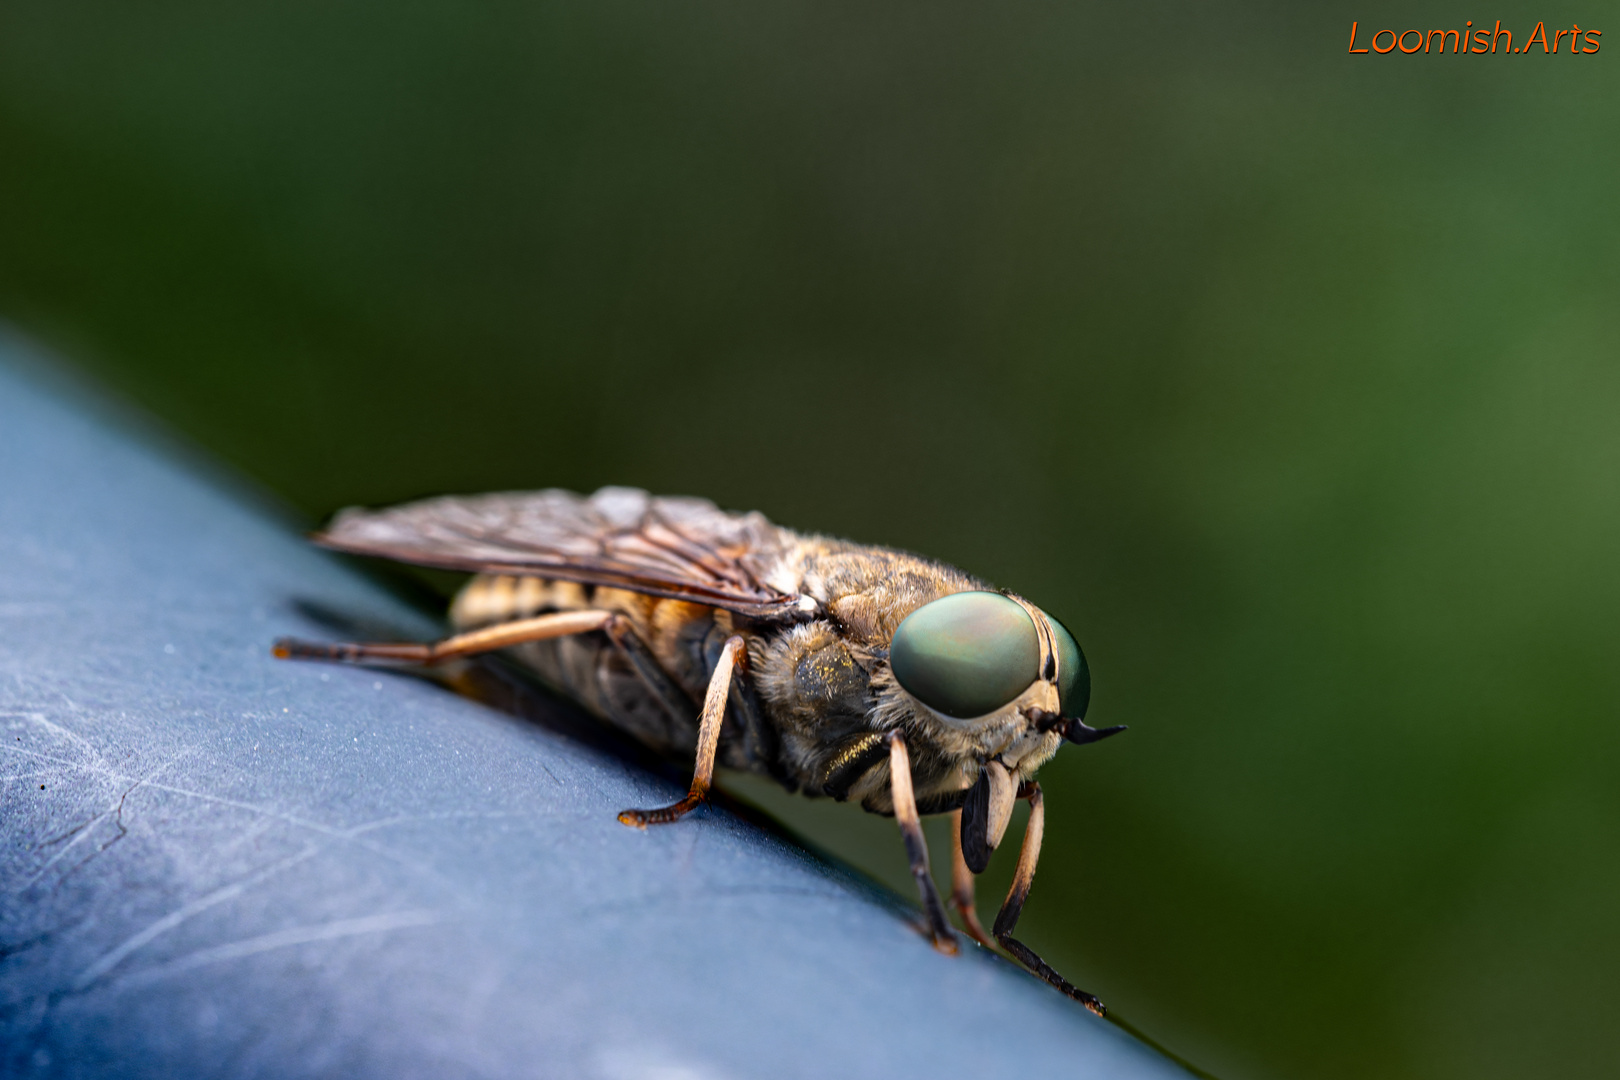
(683, 638)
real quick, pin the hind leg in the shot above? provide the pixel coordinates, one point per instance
(500, 636)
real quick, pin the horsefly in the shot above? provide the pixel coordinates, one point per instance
(841, 670)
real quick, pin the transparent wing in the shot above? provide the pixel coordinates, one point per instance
(686, 549)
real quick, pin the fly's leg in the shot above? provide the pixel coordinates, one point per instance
(504, 635)
(962, 887)
(500, 636)
(732, 653)
(905, 815)
(1028, 855)
(556, 625)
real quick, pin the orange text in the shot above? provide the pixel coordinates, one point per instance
(1475, 40)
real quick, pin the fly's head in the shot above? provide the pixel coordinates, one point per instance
(991, 665)
(1004, 684)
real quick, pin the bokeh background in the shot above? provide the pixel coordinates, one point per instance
(1287, 378)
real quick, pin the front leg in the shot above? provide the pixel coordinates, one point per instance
(732, 653)
(905, 815)
(1023, 878)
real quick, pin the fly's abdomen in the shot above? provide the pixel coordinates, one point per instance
(498, 598)
(591, 668)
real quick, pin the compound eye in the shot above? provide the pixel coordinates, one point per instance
(1074, 677)
(966, 654)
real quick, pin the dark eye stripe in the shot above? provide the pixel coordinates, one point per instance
(966, 654)
(1074, 676)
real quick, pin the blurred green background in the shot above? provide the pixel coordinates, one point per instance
(1287, 378)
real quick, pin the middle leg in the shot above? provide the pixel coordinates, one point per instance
(734, 652)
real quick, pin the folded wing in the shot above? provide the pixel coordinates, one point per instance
(682, 548)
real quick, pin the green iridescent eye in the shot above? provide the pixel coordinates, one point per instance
(966, 654)
(1074, 677)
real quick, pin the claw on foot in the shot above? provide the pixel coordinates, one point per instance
(640, 819)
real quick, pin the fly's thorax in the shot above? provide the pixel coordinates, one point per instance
(814, 678)
(865, 590)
